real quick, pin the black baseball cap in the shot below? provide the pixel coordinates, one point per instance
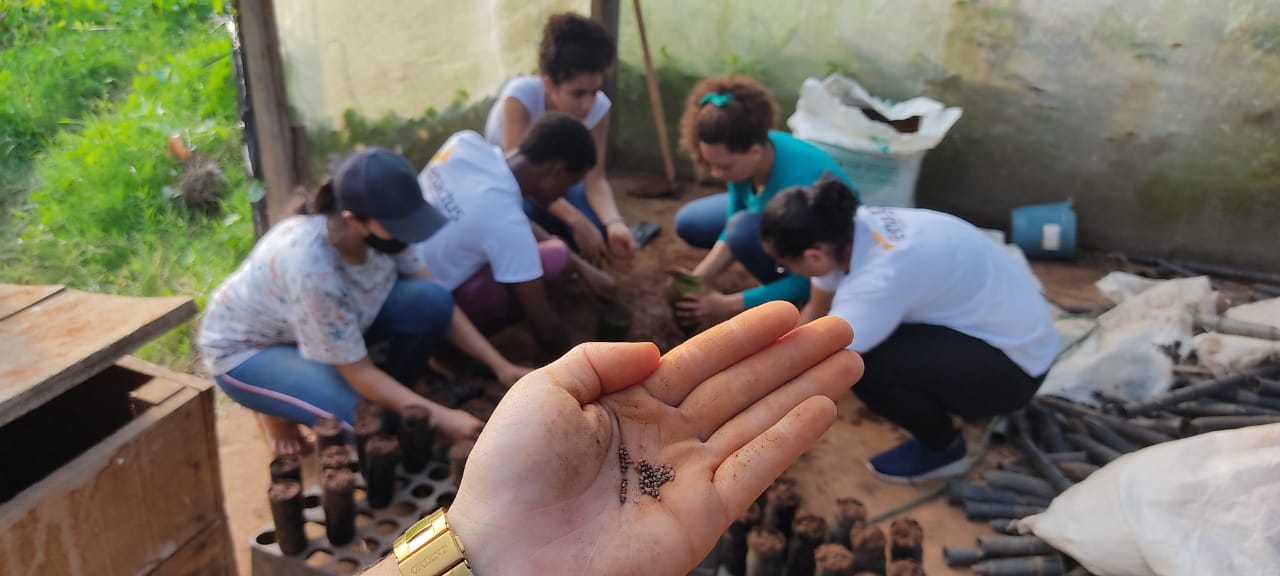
(380, 184)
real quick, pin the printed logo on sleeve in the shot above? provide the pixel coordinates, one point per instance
(894, 228)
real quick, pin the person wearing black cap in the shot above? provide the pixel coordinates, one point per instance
(286, 334)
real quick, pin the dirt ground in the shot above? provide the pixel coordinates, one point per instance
(834, 468)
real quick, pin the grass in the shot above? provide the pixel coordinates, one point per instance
(92, 92)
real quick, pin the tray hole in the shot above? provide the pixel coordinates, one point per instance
(445, 499)
(346, 567)
(313, 530)
(422, 491)
(370, 545)
(319, 558)
(360, 495)
(403, 508)
(387, 527)
(401, 482)
(311, 501)
(438, 473)
(363, 519)
(266, 538)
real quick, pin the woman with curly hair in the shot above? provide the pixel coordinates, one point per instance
(572, 59)
(727, 129)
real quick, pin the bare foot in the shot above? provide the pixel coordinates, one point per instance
(281, 434)
(456, 424)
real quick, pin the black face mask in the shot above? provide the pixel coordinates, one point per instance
(385, 245)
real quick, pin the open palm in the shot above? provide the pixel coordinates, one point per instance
(728, 412)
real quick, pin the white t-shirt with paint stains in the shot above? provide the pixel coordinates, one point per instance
(912, 266)
(295, 289)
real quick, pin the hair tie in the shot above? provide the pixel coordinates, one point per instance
(719, 99)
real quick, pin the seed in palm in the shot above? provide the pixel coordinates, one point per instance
(653, 477)
(624, 462)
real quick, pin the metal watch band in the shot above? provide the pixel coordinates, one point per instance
(430, 548)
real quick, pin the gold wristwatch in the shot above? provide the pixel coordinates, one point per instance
(430, 548)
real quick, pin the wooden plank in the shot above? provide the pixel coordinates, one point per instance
(264, 80)
(205, 387)
(15, 298)
(156, 371)
(153, 393)
(54, 345)
(124, 507)
(209, 554)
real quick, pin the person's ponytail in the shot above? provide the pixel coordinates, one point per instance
(801, 217)
(832, 197)
(323, 201)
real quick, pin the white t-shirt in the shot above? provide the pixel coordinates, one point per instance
(294, 288)
(530, 92)
(469, 182)
(924, 267)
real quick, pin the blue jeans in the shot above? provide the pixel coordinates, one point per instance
(701, 222)
(577, 197)
(278, 381)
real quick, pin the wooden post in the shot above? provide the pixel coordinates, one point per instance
(655, 99)
(264, 81)
(605, 12)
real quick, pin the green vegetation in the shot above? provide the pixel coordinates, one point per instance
(90, 92)
(416, 137)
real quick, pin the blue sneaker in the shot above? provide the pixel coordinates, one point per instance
(911, 462)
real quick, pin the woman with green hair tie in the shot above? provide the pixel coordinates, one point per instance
(727, 130)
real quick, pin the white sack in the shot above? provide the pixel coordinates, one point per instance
(1131, 354)
(830, 111)
(1209, 504)
(1224, 354)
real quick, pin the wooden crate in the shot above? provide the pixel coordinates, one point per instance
(108, 464)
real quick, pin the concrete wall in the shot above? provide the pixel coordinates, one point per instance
(1160, 117)
(404, 57)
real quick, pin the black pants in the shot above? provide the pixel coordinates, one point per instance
(922, 375)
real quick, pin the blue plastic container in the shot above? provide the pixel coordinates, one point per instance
(1045, 229)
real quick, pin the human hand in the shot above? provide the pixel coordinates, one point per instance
(509, 374)
(728, 412)
(589, 241)
(622, 245)
(454, 423)
(709, 308)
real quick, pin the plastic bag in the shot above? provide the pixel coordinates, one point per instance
(1201, 505)
(831, 111)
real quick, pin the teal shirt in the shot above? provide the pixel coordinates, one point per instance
(795, 163)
